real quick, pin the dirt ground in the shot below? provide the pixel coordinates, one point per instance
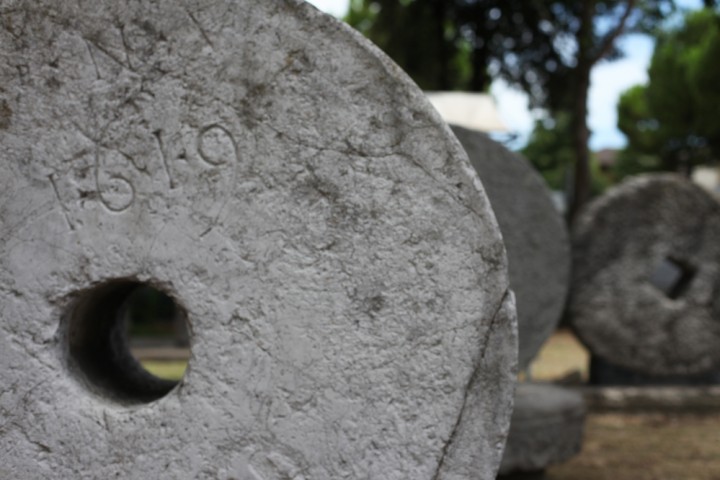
(620, 446)
(562, 356)
(646, 447)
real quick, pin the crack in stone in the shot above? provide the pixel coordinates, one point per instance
(469, 385)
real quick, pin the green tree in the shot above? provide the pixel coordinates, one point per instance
(672, 122)
(545, 47)
(427, 47)
(550, 150)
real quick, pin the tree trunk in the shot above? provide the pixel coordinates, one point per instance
(480, 80)
(580, 141)
(443, 60)
(580, 131)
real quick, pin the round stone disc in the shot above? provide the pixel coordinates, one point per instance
(535, 236)
(646, 276)
(259, 162)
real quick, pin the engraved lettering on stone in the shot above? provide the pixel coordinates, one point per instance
(216, 145)
(64, 208)
(115, 192)
(163, 155)
(362, 395)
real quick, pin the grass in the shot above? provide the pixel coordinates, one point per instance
(166, 369)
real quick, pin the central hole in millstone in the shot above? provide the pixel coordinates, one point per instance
(672, 277)
(129, 340)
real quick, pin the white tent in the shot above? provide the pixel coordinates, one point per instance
(476, 111)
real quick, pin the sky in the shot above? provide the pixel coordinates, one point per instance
(608, 81)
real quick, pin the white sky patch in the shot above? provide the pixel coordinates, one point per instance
(608, 81)
(337, 8)
(512, 104)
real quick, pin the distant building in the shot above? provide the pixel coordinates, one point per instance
(707, 177)
(606, 159)
(476, 111)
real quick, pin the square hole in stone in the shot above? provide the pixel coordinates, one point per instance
(672, 277)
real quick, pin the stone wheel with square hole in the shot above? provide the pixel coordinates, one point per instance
(645, 292)
(301, 203)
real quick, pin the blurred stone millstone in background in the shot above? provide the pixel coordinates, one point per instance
(646, 277)
(547, 421)
(299, 200)
(534, 233)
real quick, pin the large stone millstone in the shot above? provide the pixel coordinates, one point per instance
(335, 255)
(646, 277)
(535, 236)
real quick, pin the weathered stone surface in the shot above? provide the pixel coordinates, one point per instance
(339, 264)
(535, 236)
(646, 277)
(546, 428)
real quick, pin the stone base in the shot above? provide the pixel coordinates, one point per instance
(546, 428)
(665, 399)
(604, 373)
(539, 475)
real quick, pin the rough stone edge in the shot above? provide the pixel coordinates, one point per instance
(454, 147)
(458, 461)
(455, 446)
(526, 358)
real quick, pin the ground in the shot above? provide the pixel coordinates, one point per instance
(651, 446)
(646, 447)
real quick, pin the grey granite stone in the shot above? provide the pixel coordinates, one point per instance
(334, 252)
(535, 236)
(646, 277)
(546, 428)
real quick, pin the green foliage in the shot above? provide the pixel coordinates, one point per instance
(420, 35)
(550, 150)
(633, 163)
(672, 122)
(167, 369)
(464, 44)
(600, 180)
(635, 121)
